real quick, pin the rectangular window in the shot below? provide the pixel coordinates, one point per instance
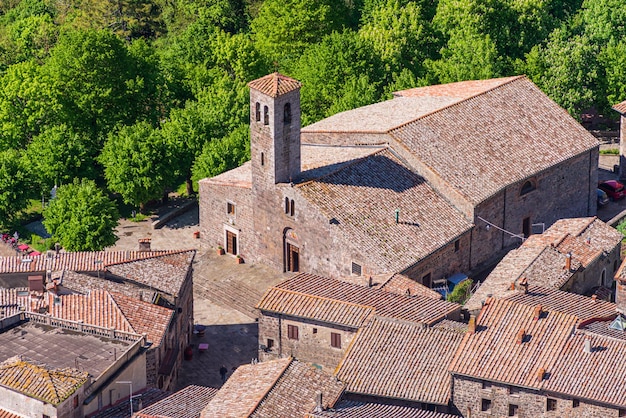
(457, 245)
(486, 385)
(230, 208)
(575, 403)
(485, 405)
(551, 404)
(314, 330)
(513, 410)
(335, 340)
(270, 343)
(526, 227)
(75, 400)
(356, 269)
(513, 390)
(292, 332)
(622, 413)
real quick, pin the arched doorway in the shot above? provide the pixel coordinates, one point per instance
(291, 251)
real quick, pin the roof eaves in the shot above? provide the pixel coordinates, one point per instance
(269, 389)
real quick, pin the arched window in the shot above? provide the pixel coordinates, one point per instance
(266, 115)
(287, 205)
(287, 114)
(603, 282)
(257, 111)
(528, 187)
(293, 207)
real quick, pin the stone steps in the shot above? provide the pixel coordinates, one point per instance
(230, 294)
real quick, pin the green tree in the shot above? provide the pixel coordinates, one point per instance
(14, 186)
(333, 74)
(283, 29)
(81, 217)
(221, 108)
(220, 155)
(58, 156)
(135, 164)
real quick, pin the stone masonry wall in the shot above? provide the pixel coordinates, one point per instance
(468, 395)
(564, 191)
(313, 344)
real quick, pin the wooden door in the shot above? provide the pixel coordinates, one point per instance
(231, 242)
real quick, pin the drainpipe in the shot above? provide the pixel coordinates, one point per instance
(280, 336)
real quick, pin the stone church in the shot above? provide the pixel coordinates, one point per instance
(436, 181)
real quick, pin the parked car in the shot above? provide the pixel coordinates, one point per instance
(613, 188)
(603, 198)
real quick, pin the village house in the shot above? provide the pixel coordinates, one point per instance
(281, 388)
(71, 285)
(579, 255)
(315, 319)
(520, 360)
(436, 181)
(51, 367)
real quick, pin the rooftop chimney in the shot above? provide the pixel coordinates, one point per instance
(537, 312)
(471, 325)
(144, 244)
(524, 284)
(594, 297)
(587, 346)
(512, 287)
(541, 373)
(568, 261)
(520, 336)
(318, 402)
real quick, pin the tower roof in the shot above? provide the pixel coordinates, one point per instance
(274, 84)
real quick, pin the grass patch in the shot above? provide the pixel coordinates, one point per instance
(138, 217)
(612, 151)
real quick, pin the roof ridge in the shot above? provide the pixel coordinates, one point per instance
(161, 253)
(121, 311)
(348, 164)
(466, 99)
(295, 292)
(262, 398)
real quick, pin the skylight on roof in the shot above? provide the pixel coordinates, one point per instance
(618, 323)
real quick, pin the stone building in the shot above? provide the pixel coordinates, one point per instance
(70, 285)
(519, 360)
(315, 319)
(434, 182)
(578, 255)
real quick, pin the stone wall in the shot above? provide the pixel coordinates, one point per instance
(480, 399)
(567, 190)
(313, 344)
(584, 281)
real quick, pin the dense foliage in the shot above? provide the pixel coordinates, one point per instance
(141, 96)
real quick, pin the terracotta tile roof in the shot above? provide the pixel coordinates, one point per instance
(510, 346)
(541, 258)
(144, 317)
(356, 409)
(76, 261)
(237, 177)
(322, 160)
(582, 307)
(462, 89)
(245, 389)
(122, 409)
(401, 360)
(601, 327)
(274, 389)
(620, 107)
(401, 284)
(186, 403)
(95, 308)
(513, 128)
(363, 197)
(13, 300)
(410, 308)
(597, 376)
(274, 84)
(166, 273)
(294, 393)
(39, 381)
(6, 414)
(303, 305)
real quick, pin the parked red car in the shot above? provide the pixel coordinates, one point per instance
(613, 188)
